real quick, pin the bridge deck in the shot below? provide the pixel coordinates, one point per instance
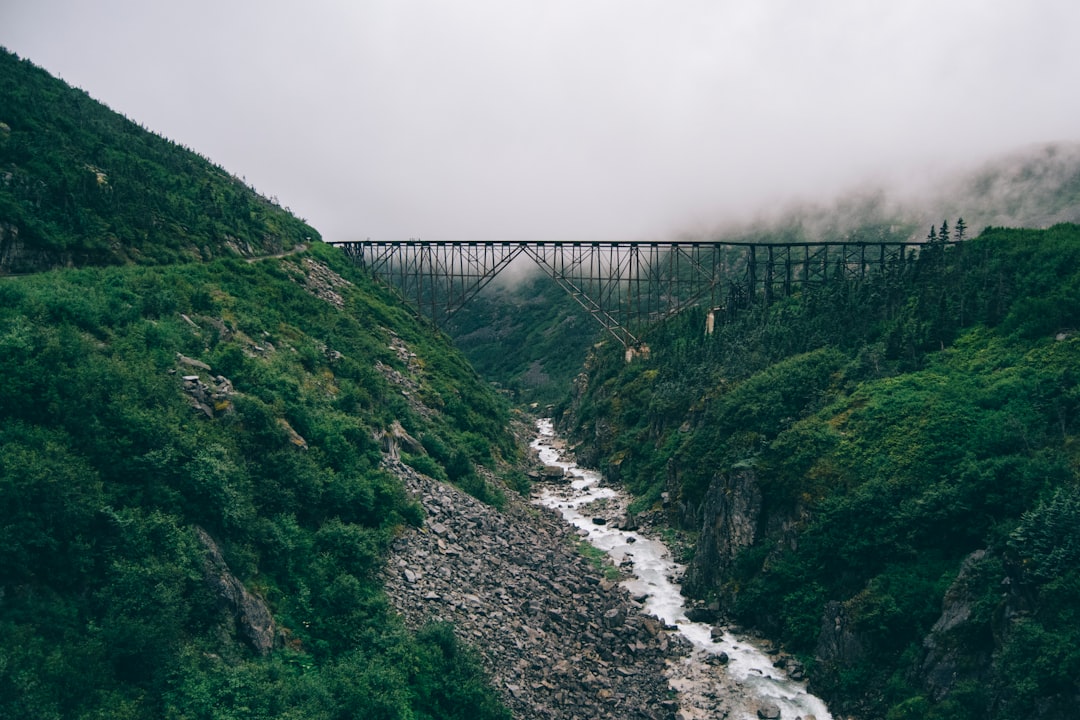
(625, 286)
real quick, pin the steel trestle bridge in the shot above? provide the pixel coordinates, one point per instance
(625, 286)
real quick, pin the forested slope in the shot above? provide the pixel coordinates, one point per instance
(529, 336)
(883, 476)
(533, 338)
(80, 184)
(192, 469)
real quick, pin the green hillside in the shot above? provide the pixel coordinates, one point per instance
(884, 477)
(200, 400)
(530, 337)
(535, 349)
(196, 506)
(80, 184)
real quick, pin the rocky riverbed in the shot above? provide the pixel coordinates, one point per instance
(558, 639)
(724, 675)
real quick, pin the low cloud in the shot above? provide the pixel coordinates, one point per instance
(612, 119)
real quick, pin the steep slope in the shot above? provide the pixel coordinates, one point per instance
(196, 508)
(81, 185)
(198, 455)
(885, 477)
(562, 640)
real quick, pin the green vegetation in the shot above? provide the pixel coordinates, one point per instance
(81, 184)
(530, 338)
(176, 421)
(599, 560)
(107, 470)
(892, 429)
(191, 443)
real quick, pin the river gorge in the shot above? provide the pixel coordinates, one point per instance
(559, 636)
(720, 666)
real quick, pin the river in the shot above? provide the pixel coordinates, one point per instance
(748, 682)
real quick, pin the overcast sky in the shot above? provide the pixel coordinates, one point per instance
(567, 119)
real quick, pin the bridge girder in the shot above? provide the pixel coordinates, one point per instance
(625, 286)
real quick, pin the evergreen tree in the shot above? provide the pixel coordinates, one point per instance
(943, 236)
(932, 235)
(960, 229)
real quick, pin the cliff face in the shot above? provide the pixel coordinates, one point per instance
(963, 660)
(731, 515)
(958, 647)
(956, 653)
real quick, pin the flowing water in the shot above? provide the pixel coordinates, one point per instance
(749, 680)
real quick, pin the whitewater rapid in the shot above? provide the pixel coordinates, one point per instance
(750, 678)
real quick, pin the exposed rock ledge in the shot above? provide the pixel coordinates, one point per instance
(253, 619)
(557, 640)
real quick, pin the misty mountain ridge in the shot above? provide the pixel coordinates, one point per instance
(1033, 187)
(531, 338)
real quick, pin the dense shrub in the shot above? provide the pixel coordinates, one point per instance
(106, 469)
(892, 428)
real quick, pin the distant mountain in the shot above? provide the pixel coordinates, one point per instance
(82, 185)
(1035, 187)
(529, 337)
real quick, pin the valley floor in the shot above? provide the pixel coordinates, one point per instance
(557, 639)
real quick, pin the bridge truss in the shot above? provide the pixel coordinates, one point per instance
(625, 286)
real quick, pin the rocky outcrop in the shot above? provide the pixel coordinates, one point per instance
(320, 281)
(947, 662)
(838, 643)
(397, 436)
(295, 439)
(550, 473)
(557, 639)
(253, 621)
(19, 256)
(769, 711)
(209, 398)
(731, 514)
(407, 379)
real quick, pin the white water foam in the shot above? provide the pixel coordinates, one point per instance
(654, 571)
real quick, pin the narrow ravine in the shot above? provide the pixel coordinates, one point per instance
(747, 685)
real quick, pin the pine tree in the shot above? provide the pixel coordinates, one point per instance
(932, 235)
(960, 229)
(943, 236)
